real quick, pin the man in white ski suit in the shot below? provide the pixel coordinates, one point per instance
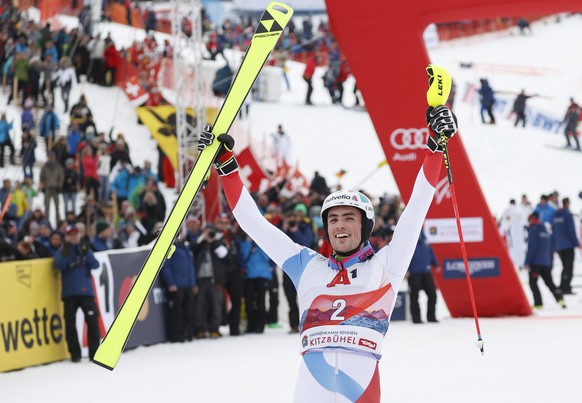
(346, 300)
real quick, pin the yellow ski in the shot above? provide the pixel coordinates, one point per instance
(274, 19)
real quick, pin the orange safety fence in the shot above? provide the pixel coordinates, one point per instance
(118, 13)
(48, 9)
(51, 8)
(465, 28)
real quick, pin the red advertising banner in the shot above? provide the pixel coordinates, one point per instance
(394, 86)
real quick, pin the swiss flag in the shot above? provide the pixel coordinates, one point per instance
(250, 171)
(296, 183)
(133, 89)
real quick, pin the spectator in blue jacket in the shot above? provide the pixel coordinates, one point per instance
(48, 126)
(487, 100)
(103, 239)
(135, 185)
(76, 262)
(55, 242)
(120, 183)
(73, 140)
(27, 118)
(545, 211)
(50, 50)
(420, 278)
(565, 242)
(256, 263)
(21, 45)
(178, 275)
(5, 139)
(539, 260)
(148, 172)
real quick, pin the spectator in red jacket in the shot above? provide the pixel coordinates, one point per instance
(310, 66)
(111, 62)
(89, 163)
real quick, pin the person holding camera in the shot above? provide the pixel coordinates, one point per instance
(75, 261)
(211, 255)
(346, 300)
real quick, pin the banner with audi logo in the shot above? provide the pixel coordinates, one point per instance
(395, 95)
(406, 142)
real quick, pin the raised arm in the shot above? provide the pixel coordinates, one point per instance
(399, 251)
(288, 255)
(443, 125)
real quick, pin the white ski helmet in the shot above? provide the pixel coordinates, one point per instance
(350, 198)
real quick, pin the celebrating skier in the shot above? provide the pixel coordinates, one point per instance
(345, 300)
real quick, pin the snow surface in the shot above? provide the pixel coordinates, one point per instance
(533, 359)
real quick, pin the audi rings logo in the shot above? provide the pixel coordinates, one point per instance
(409, 139)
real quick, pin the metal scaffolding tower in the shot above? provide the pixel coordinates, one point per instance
(187, 59)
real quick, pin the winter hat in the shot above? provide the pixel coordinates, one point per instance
(72, 229)
(300, 207)
(101, 226)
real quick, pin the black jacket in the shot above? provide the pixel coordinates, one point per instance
(220, 260)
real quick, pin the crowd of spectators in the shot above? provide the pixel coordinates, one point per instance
(537, 232)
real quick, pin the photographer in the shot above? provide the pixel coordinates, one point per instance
(75, 260)
(211, 255)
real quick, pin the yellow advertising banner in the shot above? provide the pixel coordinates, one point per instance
(32, 328)
(161, 121)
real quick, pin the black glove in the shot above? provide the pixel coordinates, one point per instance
(443, 124)
(67, 249)
(84, 245)
(224, 162)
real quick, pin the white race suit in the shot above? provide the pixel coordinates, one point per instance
(345, 307)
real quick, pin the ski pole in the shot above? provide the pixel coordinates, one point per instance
(438, 92)
(479, 342)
